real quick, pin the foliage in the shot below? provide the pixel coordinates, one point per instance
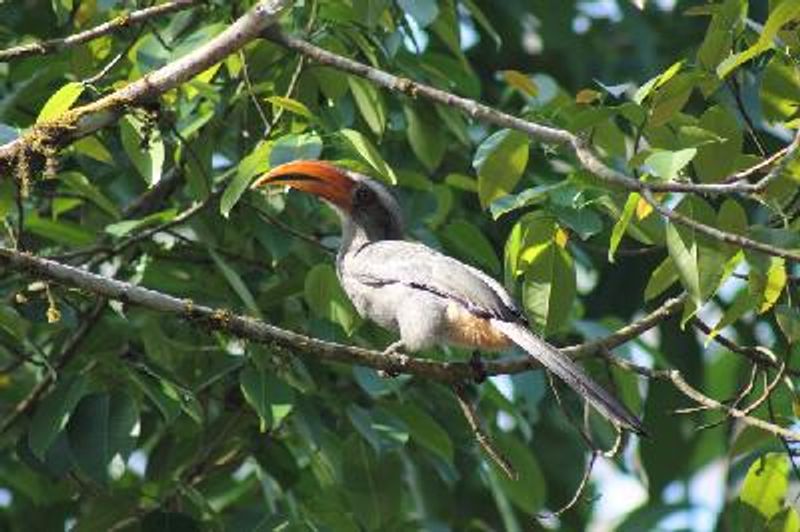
(131, 420)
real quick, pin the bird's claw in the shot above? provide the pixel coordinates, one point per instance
(390, 373)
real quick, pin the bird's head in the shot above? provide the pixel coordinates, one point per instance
(360, 200)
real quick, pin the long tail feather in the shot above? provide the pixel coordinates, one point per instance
(571, 374)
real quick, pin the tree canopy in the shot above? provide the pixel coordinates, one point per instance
(176, 352)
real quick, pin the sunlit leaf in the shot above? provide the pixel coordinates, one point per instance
(60, 102)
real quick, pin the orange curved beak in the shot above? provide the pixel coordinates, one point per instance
(314, 177)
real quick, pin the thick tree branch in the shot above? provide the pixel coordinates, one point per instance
(112, 26)
(258, 331)
(87, 119)
(445, 372)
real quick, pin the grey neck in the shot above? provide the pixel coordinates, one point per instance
(358, 233)
(354, 237)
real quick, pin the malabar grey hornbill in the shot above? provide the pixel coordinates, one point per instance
(424, 295)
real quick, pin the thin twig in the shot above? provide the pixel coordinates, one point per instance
(584, 483)
(480, 435)
(754, 354)
(717, 234)
(117, 24)
(253, 97)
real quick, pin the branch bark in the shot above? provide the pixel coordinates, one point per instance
(258, 331)
(87, 119)
(553, 135)
(112, 26)
(484, 113)
(451, 373)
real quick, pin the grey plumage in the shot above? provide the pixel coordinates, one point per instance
(424, 295)
(408, 287)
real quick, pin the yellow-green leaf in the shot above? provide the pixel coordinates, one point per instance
(60, 102)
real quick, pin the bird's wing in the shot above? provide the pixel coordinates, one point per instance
(420, 267)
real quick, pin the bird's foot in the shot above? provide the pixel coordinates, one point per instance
(478, 367)
(393, 349)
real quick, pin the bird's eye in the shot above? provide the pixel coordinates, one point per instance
(363, 195)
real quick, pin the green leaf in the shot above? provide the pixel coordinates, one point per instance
(366, 480)
(694, 136)
(649, 516)
(780, 89)
(60, 102)
(725, 26)
(256, 162)
(236, 282)
(549, 289)
(423, 11)
(716, 161)
(766, 280)
(622, 224)
(327, 299)
(425, 430)
(53, 413)
(294, 147)
(766, 483)
(164, 396)
(741, 304)
(291, 105)
(530, 196)
(584, 221)
(62, 9)
(80, 184)
(370, 154)
(12, 323)
(656, 82)
(499, 162)
(484, 22)
(781, 15)
(63, 232)
(529, 491)
(425, 136)
(370, 103)
(668, 164)
(697, 258)
(664, 276)
(789, 322)
(270, 397)
(103, 427)
(120, 229)
(670, 99)
(144, 146)
(787, 520)
(253, 383)
(470, 243)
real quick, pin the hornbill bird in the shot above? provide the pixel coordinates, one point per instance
(424, 295)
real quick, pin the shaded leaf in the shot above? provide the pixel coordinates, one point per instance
(499, 162)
